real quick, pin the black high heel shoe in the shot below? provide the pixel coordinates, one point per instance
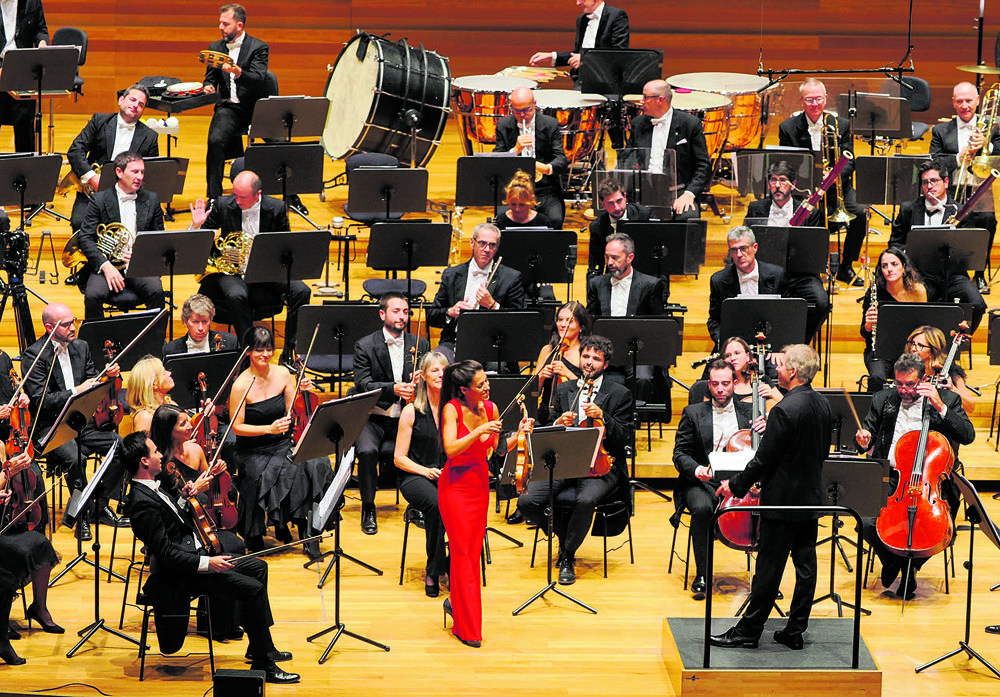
(9, 655)
(433, 589)
(53, 628)
(447, 612)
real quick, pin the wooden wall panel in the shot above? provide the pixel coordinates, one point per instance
(129, 40)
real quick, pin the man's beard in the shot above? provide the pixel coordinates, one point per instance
(724, 404)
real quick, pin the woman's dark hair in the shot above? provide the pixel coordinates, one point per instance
(259, 338)
(161, 429)
(457, 376)
(581, 316)
(911, 277)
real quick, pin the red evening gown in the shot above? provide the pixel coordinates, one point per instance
(463, 498)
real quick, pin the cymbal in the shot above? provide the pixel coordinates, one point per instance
(979, 69)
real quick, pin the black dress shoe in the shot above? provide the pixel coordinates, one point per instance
(274, 674)
(698, 588)
(14, 635)
(792, 641)
(369, 521)
(993, 629)
(235, 634)
(515, 518)
(733, 639)
(910, 585)
(567, 576)
(311, 550)
(282, 534)
(275, 656)
(109, 517)
(845, 274)
(83, 530)
(890, 572)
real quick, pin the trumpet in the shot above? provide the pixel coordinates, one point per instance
(831, 155)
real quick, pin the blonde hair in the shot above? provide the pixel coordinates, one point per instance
(432, 357)
(142, 382)
(520, 189)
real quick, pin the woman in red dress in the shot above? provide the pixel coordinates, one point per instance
(470, 432)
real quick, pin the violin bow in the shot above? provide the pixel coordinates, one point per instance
(25, 509)
(850, 403)
(298, 380)
(272, 550)
(415, 349)
(19, 388)
(232, 421)
(132, 343)
(232, 372)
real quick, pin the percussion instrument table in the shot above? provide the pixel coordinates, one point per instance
(176, 106)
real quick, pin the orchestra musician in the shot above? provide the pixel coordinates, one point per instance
(23, 26)
(788, 465)
(930, 344)
(7, 407)
(248, 211)
(745, 276)
(706, 427)
(465, 287)
(104, 138)
(777, 212)
(383, 361)
(572, 328)
(600, 26)
(595, 400)
(616, 209)
(896, 281)
(149, 385)
(958, 140)
(180, 568)
(935, 206)
(530, 133)
(898, 410)
(239, 85)
(24, 555)
(272, 490)
(736, 352)
(419, 457)
(806, 130)
(520, 205)
(470, 434)
(197, 314)
(63, 369)
(137, 209)
(660, 128)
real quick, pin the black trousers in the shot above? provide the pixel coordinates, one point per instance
(148, 289)
(239, 298)
(20, 114)
(810, 288)
(379, 429)
(70, 460)
(957, 286)
(552, 206)
(225, 139)
(575, 500)
(778, 539)
(701, 503)
(854, 238)
(421, 493)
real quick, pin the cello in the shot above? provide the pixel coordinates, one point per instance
(916, 521)
(740, 530)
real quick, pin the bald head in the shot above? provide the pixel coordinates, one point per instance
(656, 96)
(965, 100)
(522, 103)
(53, 313)
(59, 322)
(246, 189)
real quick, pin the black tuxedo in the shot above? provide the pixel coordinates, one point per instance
(944, 144)
(694, 441)
(48, 393)
(576, 498)
(373, 371)
(725, 283)
(794, 132)
(789, 466)
(612, 32)
(601, 228)
(229, 342)
(549, 151)
(230, 121)
(168, 534)
(236, 295)
(29, 30)
(958, 284)
(758, 212)
(646, 296)
(95, 144)
(687, 140)
(506, 288)
(102, 210)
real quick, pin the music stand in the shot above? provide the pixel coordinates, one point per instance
(878, 115)
(185, 367)
(805, 251)
(340, 327)
(897, 320)
(164, 175)
(862, 485)
(480, 179)
(287, 168)
(619, 71)
(541, 256)
(300, 255)
(508, 336)
(751, 168)
(34, 72)
(664, 249)
(176, 252)
(975, 513)
(645, 341)
(391, 191)
(657, 190)
(882, 181)
(405, 246)
(335, 424)
(120, 330)
(943, 251)
(285, 117)
(843, 428)
(782, 320)
(572, 453)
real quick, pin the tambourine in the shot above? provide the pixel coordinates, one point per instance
(216, 59)
(184, 89)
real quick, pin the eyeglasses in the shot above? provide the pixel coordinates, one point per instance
(646, 97)
(779, 180)
(930, 182)
(742, 249)
(911, 344)
(814, 100)
(486, 245)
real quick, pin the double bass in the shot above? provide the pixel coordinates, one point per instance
(916, 521)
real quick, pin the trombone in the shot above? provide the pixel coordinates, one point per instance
(831, 155)
(979, 166)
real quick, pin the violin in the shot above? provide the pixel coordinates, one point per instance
(113, 407)
(19, 440)
(604, 462)
(522, 466)
(916, 521)
(303, 405)
(221, 503)
(548, 398)
(204, 526)
(21, 486)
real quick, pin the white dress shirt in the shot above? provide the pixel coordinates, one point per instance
(126, 208)
(250, 224)
(815, 133)
(581, 415)
(724, 424)
(154, 486)
(234, 53)
(781, 216)
(123, 136)
(934, 215)
(620, 289)
(396, 348)
(964, 131)
(909, 419)
(749, 282)
(65, 365)
(197, 347)
(477, 277)
(661, 134)
(593, 22)
(9, 8)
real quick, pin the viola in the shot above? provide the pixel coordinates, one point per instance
(22, 486)
(221, 495)
(303, 405)
(204, 526)
(113, 407)
(603, 462)
(522, 466)
(19, 440)
(916, 520)
(549, 388)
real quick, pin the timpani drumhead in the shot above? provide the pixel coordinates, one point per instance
(491, 83)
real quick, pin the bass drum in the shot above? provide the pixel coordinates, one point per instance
(375, 88)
